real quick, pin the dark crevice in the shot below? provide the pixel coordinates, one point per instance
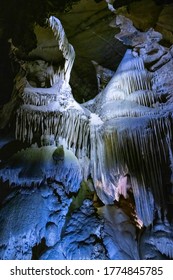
(39, 249)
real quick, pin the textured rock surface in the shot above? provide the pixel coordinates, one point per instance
(93, 39)
(156, 242)
(159, 17)
(117, 226)
(82, 237)
(164, 23)
(70, 161)
(31, 213)
(35, 165)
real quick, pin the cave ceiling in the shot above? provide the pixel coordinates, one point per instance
(87, 25)
(87, 28)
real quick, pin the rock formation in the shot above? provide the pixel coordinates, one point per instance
(78, 178)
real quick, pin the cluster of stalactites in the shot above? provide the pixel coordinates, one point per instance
(125, 136)
(144, 97)
(131, 76)
(130, 62)
(132, 141)
(53, 111)
(46, 96)
(66, 48)
(137, 147)
(56, 76)
(68, 125)
(37, 99)
(129, 93)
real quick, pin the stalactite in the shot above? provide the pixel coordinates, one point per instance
(138, 147)
(125, 135)
(38, 98)
(147, 98)
(53, 111)
(70, 125)
(132, 139)
(124, 108)
(130, 76)
(64, 46)
(130, 62)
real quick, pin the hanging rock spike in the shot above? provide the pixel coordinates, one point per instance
(66, 48)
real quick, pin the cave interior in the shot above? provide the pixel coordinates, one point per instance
(86, 121)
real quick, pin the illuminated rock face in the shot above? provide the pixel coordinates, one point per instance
(132, 122)
(31, 213)
(82, 237)
(121, 140)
